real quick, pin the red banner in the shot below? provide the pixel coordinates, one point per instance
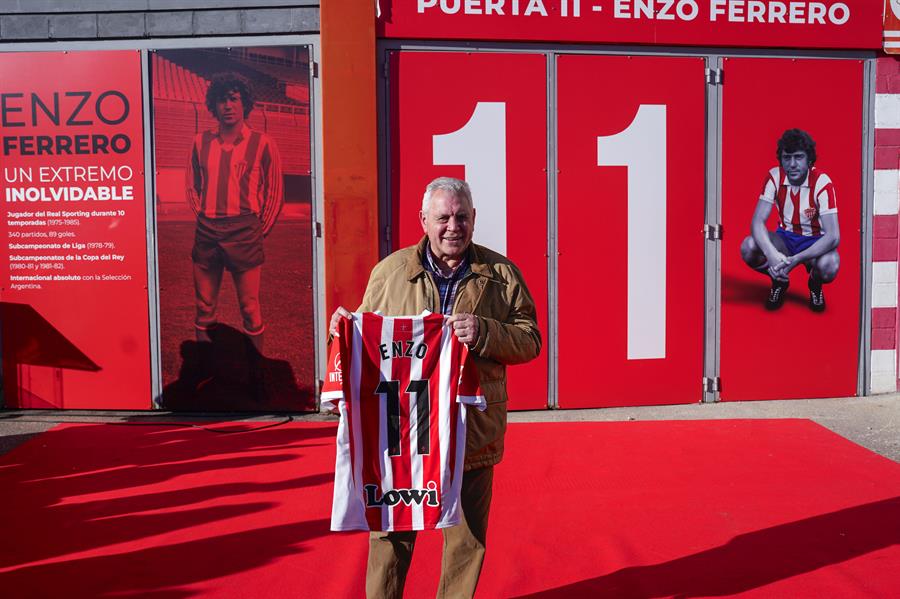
(791, 352)
(490, 128)
(631, 203)
(74, 280)
(735, 23)
(233, 219)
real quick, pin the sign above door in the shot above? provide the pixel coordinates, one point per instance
(847, 24)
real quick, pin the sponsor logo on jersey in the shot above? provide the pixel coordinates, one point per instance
(335, 375)
(427, 496)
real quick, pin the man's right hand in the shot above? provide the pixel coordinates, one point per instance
(341, 312)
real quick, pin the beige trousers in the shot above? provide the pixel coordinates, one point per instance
(390, 553)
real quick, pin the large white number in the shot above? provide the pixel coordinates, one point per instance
(641, 147)
(480, 146)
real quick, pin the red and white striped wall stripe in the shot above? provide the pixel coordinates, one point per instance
(885, 245)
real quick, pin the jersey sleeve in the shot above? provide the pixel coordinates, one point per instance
(194, 176)
(770, 187)
(333, 388)
(469, 391)
(826, 199)
(272, 185)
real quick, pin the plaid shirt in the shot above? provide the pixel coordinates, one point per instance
(447, 285)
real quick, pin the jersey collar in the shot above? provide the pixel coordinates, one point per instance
(477, 264)
(244, 134)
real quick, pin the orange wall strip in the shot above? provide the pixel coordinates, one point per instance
(350, 150)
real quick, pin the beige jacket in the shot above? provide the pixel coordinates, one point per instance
(507, 330)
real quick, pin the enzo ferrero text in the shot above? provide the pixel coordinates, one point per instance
(64, 108)
(791, 12)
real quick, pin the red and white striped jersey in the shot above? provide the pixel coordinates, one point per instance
(402, 385)
(242, 179)
(800, 206)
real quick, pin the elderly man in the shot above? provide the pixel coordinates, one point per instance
(492, 311)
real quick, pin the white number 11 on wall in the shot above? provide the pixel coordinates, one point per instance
(480, 146)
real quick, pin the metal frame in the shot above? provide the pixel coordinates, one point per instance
(151, 232)
(715, 58)
(864, 374)
(382, 97)
(145, 46)
(712, 315)
(552, 343)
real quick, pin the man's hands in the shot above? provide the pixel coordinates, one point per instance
(779, 265)
(340, 313)
(465, 327)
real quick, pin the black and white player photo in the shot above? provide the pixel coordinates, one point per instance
(807, 231)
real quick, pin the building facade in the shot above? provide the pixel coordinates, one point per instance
(616, 151)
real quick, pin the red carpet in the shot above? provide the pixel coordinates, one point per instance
(637, 509)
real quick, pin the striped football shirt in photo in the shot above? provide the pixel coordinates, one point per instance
(401, 385)
(800, 206)
(244, 178)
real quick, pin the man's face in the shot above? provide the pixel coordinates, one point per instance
(795, 165)
(230, 108)
(449, 224)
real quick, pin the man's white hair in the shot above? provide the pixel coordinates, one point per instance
(449, 185)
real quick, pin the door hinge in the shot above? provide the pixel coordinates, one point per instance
(387, 234)
(712, 384)
(385, 68)
(712, 232)
(715, 76)
(313, 69)
(318, 229)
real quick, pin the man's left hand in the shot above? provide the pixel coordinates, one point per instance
(465, 327)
